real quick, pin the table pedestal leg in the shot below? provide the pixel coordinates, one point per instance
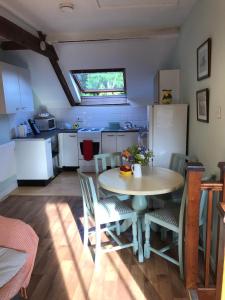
(139, 204)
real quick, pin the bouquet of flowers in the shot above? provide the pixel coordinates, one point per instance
(137, 154)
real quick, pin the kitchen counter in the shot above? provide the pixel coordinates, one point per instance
(46, 134)
(121, 130)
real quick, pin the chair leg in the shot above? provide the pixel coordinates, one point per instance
(85, 230)
(107, 225)
(147, 239)
(163, 233)
(97, 244)
(134, 231)
(118, 228)
(180, 254)
(174, 235)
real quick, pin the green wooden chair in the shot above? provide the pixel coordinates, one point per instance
(171, 218)
(102, 161)
(178, 164)
(104, 212)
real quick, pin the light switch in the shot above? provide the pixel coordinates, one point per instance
(218, 112)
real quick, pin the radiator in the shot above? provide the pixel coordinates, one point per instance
(7, 161)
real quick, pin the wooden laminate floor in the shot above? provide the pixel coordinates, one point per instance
(65, 184)
(64, 270)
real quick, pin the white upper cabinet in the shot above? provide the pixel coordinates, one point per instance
(26, 94)
(10, 91)
(15, 89)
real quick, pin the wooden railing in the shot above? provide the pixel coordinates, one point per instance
(209, 288)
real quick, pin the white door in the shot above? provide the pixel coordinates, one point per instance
(125, 140)
(169, 132)
(108, 142)
(10, 88)
(25, 90)
(70, 150)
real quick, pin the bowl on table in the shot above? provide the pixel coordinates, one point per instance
(125, 170)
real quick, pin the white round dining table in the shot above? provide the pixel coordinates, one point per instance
(154, 181)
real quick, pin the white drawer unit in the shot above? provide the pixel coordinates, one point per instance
(118, 141)
(68, 149)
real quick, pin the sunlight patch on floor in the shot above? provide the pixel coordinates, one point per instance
(74, 259)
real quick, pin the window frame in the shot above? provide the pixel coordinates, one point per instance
(123, 70)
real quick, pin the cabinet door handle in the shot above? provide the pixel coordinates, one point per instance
(72, 135)
(17, 108)
(121, 134)
(110, 134)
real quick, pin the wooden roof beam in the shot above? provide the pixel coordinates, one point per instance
(9, 45)
(20, 39)
(13, 32)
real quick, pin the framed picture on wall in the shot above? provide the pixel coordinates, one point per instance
(204, 60)
(202, 98)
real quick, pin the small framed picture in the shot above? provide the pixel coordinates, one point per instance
(202, 98)
(204, 60)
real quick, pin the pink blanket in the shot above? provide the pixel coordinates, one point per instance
(20, 236)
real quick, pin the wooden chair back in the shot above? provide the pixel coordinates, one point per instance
(89, 195)
(178, 162)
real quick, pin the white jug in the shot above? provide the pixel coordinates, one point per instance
(22, 130)
(136, 169)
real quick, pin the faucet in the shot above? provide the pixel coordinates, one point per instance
(128, 124)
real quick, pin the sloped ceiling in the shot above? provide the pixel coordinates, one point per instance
(92, 17)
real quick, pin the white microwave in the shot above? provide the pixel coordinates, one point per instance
(45, 124)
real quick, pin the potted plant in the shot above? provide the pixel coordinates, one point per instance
(136, 156)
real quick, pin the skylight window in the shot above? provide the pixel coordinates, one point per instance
(97, 83)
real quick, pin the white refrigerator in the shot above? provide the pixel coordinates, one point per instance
(167, 131)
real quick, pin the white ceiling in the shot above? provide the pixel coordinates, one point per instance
(93, 17)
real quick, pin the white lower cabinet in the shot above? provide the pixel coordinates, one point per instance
(125, 140)
(118, 141)
(34, 159)
(68, 150)
(108, 142)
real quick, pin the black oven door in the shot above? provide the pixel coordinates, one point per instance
(51, 123)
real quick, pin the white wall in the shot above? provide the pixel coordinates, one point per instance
(207, 19)
(100, 116)
(141, 58)
(4, 129)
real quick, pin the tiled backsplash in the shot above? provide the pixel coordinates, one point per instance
(17, 119)
(100, 116)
